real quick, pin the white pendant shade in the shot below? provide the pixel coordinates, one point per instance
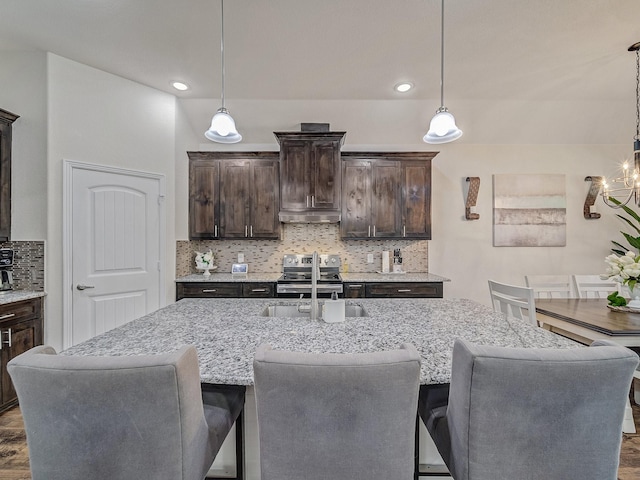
(442, 128)
(223, 128)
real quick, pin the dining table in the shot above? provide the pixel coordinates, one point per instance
(588, 319)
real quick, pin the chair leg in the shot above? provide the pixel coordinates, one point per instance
(239, 450)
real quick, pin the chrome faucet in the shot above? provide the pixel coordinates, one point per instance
(314, 286)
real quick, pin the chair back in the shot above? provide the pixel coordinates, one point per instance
(550, 286)
(514, 301)
(592, 286)
(338, 416)
(113, 417)
(543, 413)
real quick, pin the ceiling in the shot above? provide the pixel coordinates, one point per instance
(344, 49)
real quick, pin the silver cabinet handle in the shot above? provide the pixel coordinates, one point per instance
(313, 201)
(84, 287)
(211, 290)
(215, 231)
(307, 201)
(404, 230)
(374, 230)
(404, 290)
(8, 315)
(369, 234)
(246, 231)
(258, 290)
(251, 231)
(355, 285)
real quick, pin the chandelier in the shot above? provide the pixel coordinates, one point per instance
(619, 191)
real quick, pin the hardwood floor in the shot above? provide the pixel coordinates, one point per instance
(14, 458)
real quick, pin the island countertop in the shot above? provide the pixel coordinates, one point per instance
(226, 333)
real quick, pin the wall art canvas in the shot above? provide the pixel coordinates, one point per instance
(529, 210)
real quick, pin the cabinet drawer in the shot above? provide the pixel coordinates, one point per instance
(258, 290)
(209, 290)
(19, 311)
(354, 290)
(404, 289)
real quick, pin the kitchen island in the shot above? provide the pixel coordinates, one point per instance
(226, 333)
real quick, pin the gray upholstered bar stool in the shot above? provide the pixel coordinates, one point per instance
(517, 413)
(336, 416)
(120, 418)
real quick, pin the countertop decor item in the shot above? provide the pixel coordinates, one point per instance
(204, 261)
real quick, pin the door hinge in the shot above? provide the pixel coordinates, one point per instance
(158, 264)
(160, 198)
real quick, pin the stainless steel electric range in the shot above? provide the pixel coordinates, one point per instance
(296, 276)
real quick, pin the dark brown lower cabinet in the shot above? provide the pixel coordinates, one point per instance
(21, 328)
(224, 290)
(393, 290)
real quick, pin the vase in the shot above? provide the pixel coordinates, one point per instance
(634, 295)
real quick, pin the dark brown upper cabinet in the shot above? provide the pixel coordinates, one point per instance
(6, 121)
(386, 195)
(233, 195)
(310, 171)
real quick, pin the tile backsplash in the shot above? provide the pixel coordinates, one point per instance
(28, 264)
(265, 256)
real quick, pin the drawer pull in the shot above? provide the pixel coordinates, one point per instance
(355, 285)
(210, 290)
(8, 315)
(258, 290)
(404, 290)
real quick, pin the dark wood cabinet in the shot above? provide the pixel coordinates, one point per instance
(21, 328)
(233, 195)
(310, 171)
(393, 290)
(6, 121)
(386, 195)
(224, 290)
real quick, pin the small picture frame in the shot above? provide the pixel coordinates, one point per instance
(239, 269)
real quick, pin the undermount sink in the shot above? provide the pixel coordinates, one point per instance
(292, 311)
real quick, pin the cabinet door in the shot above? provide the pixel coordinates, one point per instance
(203, 199)
(385, 199)
(234, 198)
(22, 336)
(295, 175)
(356, 199)
(264, 198)
(325, 193)
(416, 200)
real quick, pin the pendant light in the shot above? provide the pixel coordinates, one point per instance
(442, 128)
(223, 128)
(624, 188)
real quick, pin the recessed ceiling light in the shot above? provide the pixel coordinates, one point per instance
(180, 86)
(403, 87)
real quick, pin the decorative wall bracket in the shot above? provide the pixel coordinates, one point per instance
(596, 183)
(472, 198)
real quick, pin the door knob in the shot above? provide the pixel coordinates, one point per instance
(84, 287)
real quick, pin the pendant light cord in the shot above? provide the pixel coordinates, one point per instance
(442, 55)
(222, 45)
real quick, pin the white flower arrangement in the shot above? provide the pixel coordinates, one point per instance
(624, 269)
(204, 260)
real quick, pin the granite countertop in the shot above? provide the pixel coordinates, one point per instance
(228, 277)
(392, 277)
(12, 296)
(226, 333)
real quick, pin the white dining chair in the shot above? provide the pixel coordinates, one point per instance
(513, 300)
(550, 286)
(592, 286)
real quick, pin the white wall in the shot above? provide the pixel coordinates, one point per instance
(100, 118)
(23, 92)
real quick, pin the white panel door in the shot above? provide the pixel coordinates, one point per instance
(115, 250)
